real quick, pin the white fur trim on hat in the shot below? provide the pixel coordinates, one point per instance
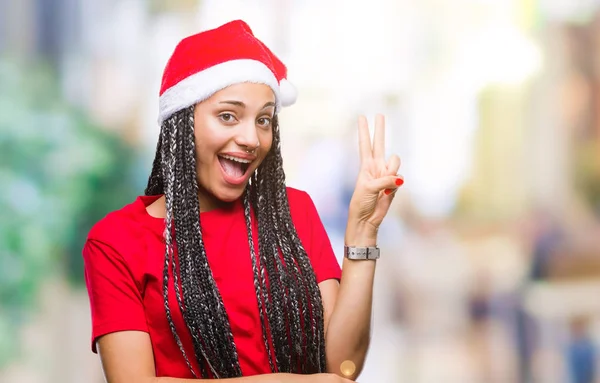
(289, 94)
(202, 85)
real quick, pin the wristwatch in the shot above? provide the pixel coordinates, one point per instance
(361, 253)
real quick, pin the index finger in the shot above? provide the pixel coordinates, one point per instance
(364, 139)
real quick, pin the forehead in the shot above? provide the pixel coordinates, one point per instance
(247, 92)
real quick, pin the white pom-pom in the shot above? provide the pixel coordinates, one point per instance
(288, 92)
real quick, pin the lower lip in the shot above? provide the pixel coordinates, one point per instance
(235, 181)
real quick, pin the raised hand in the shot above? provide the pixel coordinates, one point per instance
(378, 179)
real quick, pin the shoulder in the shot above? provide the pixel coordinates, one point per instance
(298, 198)
(121, 226)
(312, 234)
(119, 242)
(302, 207)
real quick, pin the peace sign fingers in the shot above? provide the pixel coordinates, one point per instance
(364, 139)
(379, 138)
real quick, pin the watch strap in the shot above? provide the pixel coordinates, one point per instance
(361, 253)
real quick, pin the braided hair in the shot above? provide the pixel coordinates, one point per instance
(289, 300)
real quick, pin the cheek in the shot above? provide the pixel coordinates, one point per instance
(207, 142)
(266, 140)
(200, 149)
(204, 156)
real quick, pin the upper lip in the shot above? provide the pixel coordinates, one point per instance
(241, 155)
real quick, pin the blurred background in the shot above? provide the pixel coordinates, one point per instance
(491, 253)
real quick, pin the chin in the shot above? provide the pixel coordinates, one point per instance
(217, 195)
(231, 194)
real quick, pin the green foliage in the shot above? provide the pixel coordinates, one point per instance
(163, 6)
(587, 173)
(59, 173)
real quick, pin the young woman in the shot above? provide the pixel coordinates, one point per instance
(220, 270)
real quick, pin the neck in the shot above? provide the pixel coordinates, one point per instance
(209, 202)
(206, 201)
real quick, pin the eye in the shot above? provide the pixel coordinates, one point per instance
(264, 122)
(227, 117)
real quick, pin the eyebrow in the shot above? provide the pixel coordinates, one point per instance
(242, 105)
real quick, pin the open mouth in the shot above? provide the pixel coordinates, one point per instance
(233, 166)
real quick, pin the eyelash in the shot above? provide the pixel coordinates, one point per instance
(231, 116)
(268, 124)
(226, 114)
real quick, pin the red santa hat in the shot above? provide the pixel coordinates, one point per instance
(209, 61)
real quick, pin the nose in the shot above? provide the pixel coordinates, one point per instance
(247, 136)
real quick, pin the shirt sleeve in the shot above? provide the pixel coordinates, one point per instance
(115, 299)
(320, 252)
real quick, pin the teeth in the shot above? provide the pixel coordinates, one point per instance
(240, 160)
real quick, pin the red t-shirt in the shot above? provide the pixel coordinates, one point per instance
(124, 260)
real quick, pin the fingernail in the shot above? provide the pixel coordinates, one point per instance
(387, 191)
(399, 181)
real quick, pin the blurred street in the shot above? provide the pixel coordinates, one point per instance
(490, 267)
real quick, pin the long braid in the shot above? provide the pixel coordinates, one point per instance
(204, 310)
(155, 183)
(181, 214)
(269, 255)
(260, 284)
(166, 151)
(313, 306)
(287, 293)
(288, 305)
(301, 277)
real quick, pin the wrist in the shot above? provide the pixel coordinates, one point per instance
(361, 234)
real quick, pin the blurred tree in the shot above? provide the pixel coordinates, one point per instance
(160, 6)
(587, 173)
(59, 174)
